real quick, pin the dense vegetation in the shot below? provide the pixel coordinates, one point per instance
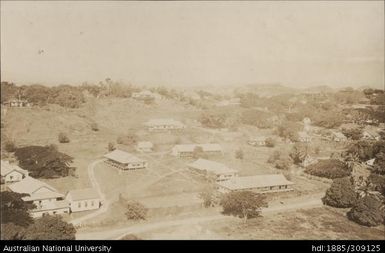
(341, 193)
(330, 168)
(44, 161)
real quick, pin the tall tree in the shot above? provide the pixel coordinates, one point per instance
(14, 209)
(243, 204)
(50, 228)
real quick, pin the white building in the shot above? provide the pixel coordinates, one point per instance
(124, 161)
(187, 150)
(83, 199)
(46, 198)
(257, 141)
(212, 170)
(370, 134)
(304, 136)
(12, 173)
(164, 125)
(258, 183)
(144, 146)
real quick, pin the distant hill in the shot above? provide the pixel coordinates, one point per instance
(267, 90)
(318, 89)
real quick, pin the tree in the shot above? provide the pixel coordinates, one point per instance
(14, 209)
(270, 142)
(10, 231)
(352, 133)
(63, 138)
(208, 197)
(378, 182)
(94, 126)
(239, 154)
(212, 120)
(299, 153)
(111, 146)
(243, 204)
(341, 193)
(289, 130)
(365, 150)
(136, 211)
(129, 139)
(274, 156)
(44, 161)
(198, 153)
(283, 163)
(131, 237)
(9, 146)
(50, 228)
(368, 211)
(330, 168)
(379, 164)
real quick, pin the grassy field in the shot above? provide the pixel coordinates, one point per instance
(319, 223)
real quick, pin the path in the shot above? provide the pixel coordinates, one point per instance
(96, 186)
(145, 227)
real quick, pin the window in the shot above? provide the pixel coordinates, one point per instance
(92, 203)
(79, 204)
(85, 204)
(10, 177)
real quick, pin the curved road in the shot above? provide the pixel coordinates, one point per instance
(95, 184)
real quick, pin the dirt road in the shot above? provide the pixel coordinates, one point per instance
(145, 227)
(95, 184)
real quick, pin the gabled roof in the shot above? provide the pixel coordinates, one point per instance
(210, 166)
(122, 157)
(42, 195)
(7, 168)
(29, 185)
(164, 121)
(82, 194)
(259, 181)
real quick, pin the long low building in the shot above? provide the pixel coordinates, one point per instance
(12, 173)
(47, 199)
(212, 170)
(83, 199)
(164, 124)
(187, 150)
(124, 161)
(258, 183)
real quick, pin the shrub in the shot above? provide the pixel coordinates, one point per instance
(111, 146)
(341, 193)
(136, 211)
(368, 211)
(330, 168)
(9, 146)
(270, 142)
(128, 140)
(94, 126)
(63, 138)
(239, 154)
(283, 163)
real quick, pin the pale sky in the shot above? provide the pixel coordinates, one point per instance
(194, 43)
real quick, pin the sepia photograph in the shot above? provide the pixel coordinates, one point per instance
(192, 120)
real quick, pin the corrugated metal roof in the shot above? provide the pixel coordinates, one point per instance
(29, 185)
(258, 181)
(7, 168)
(122, 157)
(210, 166)
(82, 194)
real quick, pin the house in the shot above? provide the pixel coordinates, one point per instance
(12, 173)
(304, 136)
(338, 136)
(83, 199)
(258, 183)
(47, 200)
(144, 146)
(258, 141)
(212, 170)
(18, 103)
(187, 150)
(124, 161)
(370, 162)
(164, 124)
(370, 134)
(145, 94)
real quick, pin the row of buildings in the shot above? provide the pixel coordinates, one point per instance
(225, 178)
(46, 199)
